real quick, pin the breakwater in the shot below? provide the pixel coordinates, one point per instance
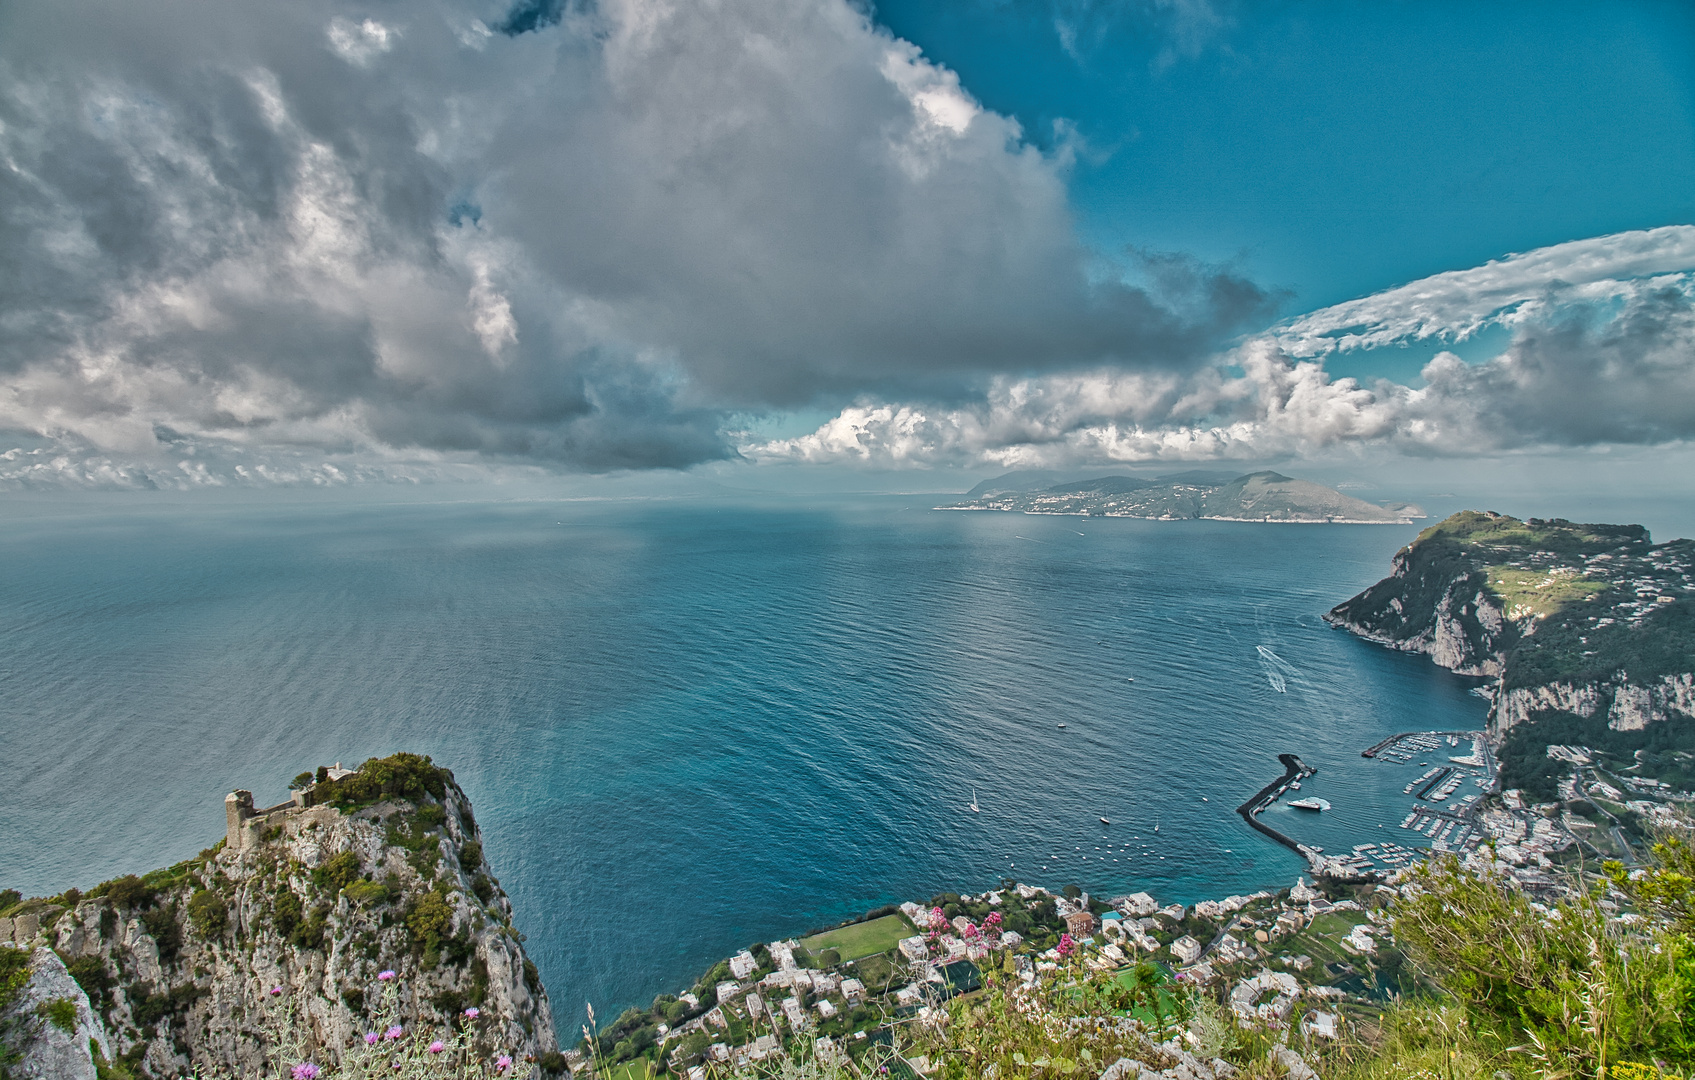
(1294, 769)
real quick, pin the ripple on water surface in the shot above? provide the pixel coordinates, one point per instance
(690, 726)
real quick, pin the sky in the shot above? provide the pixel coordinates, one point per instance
(329, 243)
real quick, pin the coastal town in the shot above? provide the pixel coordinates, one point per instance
(1310, 958)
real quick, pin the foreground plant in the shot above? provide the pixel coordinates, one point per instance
(1564, 986)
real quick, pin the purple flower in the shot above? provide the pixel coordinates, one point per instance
(385, 976)
(304, 1071)
(394, 1033)
(502, 1063)
(437, 1047)
(473, 1012)
(370, 1038)
(276, 991)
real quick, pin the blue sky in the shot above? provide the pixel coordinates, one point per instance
(324, 241)
(1338, 149)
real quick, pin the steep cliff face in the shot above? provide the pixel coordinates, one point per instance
(385, 873)
(1434, 602)
(1590, 629)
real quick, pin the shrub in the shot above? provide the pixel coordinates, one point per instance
(128, 892)
(209, 912)
(89, 972)
(471, 855)
(166, 931)
(9, 898)
(407, 776)
(337, 872)
(61, 1013)
(366, 891)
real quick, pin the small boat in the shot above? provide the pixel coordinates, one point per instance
(1062, 726)
(1313, 804)
(975, 809)
(1104, 821)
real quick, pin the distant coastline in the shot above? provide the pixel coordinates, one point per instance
(1170, 517)
(1261, 497)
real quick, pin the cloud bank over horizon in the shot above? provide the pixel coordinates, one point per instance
(309, 244)
(1602, 352)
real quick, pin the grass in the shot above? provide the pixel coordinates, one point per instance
(874, 971)
(862, 939)
(1540, 593)
(1319, 939)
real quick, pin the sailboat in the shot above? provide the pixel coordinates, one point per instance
(975, 809)
(1156, 824)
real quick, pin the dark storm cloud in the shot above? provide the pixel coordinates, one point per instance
(584, 236)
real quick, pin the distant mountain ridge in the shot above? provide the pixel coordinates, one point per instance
(1259, 496)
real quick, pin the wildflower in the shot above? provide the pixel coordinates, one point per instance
(385, 976)
(502, 1063)
(276, 991)
(370, 1038)
(437, 1047)
(1066, 945)
(473, 1012)
(393, 1033)
(304, 1071)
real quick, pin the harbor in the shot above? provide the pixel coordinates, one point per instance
(1441, 817)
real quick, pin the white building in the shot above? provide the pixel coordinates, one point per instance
(727, 990)
(792, 1012)
(853, 989)
(1136, 905)
(743, 964)
(1186, 949)
(914, 949)
(826, 1009)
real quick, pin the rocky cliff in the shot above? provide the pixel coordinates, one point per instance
(377, 870)
(1588, 630)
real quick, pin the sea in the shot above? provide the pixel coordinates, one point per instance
(691, 724)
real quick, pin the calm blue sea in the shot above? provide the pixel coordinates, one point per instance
(689, 725)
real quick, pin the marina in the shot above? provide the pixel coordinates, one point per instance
(1440, 818)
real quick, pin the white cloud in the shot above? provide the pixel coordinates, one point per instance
(1513, 290)
(1594, 360)
(360, 43)
(592, 242)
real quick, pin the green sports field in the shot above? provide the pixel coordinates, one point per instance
(862, 939)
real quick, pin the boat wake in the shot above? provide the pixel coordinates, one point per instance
(1276, 669)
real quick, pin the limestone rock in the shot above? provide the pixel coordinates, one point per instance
(50, 1052)
(317, 903)
(1293, 1065)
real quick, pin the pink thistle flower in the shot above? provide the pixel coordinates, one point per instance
(437, 1047)
(385, 976)
(304, 1071)
(994, 919)
(370, 1038)
(502, 1063)
(473, 1012)
(394, 1033)
(1066, 945)
(276, 991)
